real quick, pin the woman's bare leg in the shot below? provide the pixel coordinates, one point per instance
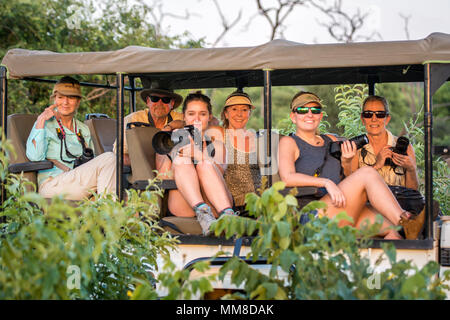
(364, 185)
(178, 205)
(187, 181)
(368, 215)
(213, 185)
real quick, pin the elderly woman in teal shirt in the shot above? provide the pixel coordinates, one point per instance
(59, 137)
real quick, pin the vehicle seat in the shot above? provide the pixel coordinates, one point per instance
(142, 159)
(18, 129)
(103, 133)
(141, 153)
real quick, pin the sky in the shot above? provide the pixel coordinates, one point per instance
(303, 24)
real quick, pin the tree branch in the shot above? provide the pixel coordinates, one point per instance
(226, 26)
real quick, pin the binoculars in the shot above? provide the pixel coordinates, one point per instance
(335, 146)
(87, 155)
(164, 141)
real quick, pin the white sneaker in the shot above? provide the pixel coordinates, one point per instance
(205, 218)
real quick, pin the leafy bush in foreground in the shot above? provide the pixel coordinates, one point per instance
(94, 249)
(318, 260)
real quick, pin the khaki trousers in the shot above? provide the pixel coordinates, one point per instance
(97, 175)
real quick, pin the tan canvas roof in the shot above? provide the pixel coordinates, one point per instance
(277, 54)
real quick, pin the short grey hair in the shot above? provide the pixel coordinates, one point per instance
(376, 98)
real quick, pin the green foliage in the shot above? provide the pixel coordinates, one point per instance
(52, 25)
(113, 248)
(318, 260)
(441, 170)
(349, 100)
(178, 283)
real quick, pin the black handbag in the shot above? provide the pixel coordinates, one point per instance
(409, 199)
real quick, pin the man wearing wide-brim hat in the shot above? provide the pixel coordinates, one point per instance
(161, 101)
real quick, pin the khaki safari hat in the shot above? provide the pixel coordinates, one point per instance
(159, 87)
(305, 98)
(67, 86)
(238, 98)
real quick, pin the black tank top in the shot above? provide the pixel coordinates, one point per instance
(312, 158)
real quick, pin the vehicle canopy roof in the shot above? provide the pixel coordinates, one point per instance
(334, 63)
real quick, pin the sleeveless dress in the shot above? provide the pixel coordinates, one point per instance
(242, 175)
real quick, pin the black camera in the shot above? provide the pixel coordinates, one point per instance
(335, 146)
(87, 155)
(401, 147)
(164, 141)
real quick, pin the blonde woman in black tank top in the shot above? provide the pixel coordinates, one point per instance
(351, 194)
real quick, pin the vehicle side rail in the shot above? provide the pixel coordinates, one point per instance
(30, 166)
(425, 244)
(219, 261)
(163, 184)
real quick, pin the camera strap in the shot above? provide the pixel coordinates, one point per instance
(59, 165)
(318, 171)
(62, 136)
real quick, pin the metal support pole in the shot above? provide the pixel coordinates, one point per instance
(3, 99)
(132, 93)
(119, 135)
(3, 117)
(428, 152)
(268, 119)
(371, 88)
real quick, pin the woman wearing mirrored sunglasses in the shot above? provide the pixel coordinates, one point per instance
(396, 169)
(304, 161)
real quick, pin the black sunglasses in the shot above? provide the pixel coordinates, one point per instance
(304, 110)
(378, 114)
(165, 100)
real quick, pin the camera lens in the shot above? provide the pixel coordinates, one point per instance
(402, 145)
(335, 147)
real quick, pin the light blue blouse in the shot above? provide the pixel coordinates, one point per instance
(48, 146)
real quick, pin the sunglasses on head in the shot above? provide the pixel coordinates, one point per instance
(165, 100)
(304, 110)
(378, 114)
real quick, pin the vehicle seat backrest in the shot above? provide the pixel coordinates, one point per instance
(141, 153)
(18, 130)
(268, 166)
(103, 133)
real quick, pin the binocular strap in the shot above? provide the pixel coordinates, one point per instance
(59, 165)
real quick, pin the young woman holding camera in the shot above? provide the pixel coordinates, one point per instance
(59, 137)
(396, 169)
(303, 153)
(197, 170)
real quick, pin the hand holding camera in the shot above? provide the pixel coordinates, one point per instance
(186, 142)
(400, 155)
(348, 147)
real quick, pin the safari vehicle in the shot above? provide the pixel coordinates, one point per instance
(277, 63)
